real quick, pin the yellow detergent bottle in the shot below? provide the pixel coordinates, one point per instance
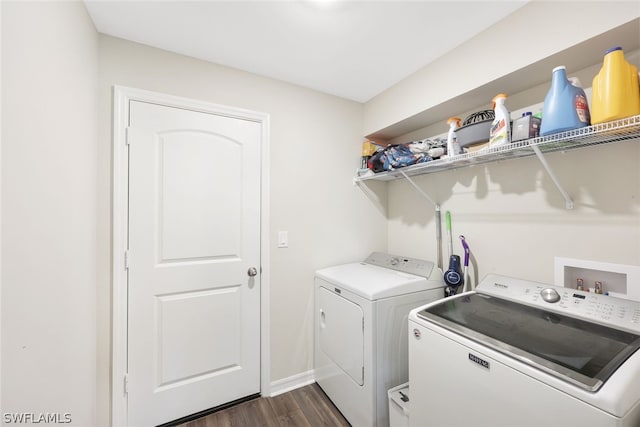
(615, 91)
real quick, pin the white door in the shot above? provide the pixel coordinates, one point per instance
(194, 236)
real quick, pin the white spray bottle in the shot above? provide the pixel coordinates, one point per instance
(500, 132)
(453, 147)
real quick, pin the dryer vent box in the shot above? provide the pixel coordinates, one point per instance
(622, 281)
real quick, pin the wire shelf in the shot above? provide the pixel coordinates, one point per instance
(602, 133)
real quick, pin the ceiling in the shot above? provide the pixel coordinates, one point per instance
(352, 49)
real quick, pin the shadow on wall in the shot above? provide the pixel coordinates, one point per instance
(376, 192)
(602, 179)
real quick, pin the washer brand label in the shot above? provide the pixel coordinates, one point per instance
(479, 361)
(500, 285)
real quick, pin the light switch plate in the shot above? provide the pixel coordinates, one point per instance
(283, 239)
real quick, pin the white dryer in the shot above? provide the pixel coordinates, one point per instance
(361, 312)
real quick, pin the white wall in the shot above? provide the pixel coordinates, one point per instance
(52, 106)
(510, 212)
(514, 218)
(537, 30)
(49, 144)
(315, 150)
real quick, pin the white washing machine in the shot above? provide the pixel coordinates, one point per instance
(361, 330)
(520, 353)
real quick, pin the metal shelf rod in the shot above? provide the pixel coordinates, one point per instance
(418, 189)
(568, 202)
(437, 217)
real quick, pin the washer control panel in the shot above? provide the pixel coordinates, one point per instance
(550, 295)
(418, 267)
(599, 308)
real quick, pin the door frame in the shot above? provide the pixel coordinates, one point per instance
(120, 181)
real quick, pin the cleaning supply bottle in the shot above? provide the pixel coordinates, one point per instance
(582, 106)
(565, 106)
(453, 147)
(615, 89)
(500, 131)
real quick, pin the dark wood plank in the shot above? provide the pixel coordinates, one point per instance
(265, 413)
(248, 414)
(315, 406)
(283, 403)
(328, 405)
(287, 411)
(304, 407)
(217, 419)
(222, 419)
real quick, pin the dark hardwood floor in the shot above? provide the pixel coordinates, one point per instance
(307, 406)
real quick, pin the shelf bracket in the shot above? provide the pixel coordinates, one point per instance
(567, 199)
(437, 216)
(418, 189)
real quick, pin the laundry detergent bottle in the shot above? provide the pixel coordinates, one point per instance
(615, 89)
(565, 106)
(500, 131)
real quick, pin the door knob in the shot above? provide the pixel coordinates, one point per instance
(252, 271)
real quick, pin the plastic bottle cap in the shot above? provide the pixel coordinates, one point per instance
(561, 67)
(453, 119)
(575, 81)
(498, 96)
(613, 49)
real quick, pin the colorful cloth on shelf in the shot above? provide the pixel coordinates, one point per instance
(397, 156)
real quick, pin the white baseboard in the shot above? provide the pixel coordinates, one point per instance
(291, 383)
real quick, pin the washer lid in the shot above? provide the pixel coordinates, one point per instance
(580, 352)
(373, 282)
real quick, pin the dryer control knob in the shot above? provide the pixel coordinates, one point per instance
(550, 295)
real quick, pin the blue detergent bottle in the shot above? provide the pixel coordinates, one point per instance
(565, 106)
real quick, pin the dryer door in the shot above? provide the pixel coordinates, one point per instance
(341, 333)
